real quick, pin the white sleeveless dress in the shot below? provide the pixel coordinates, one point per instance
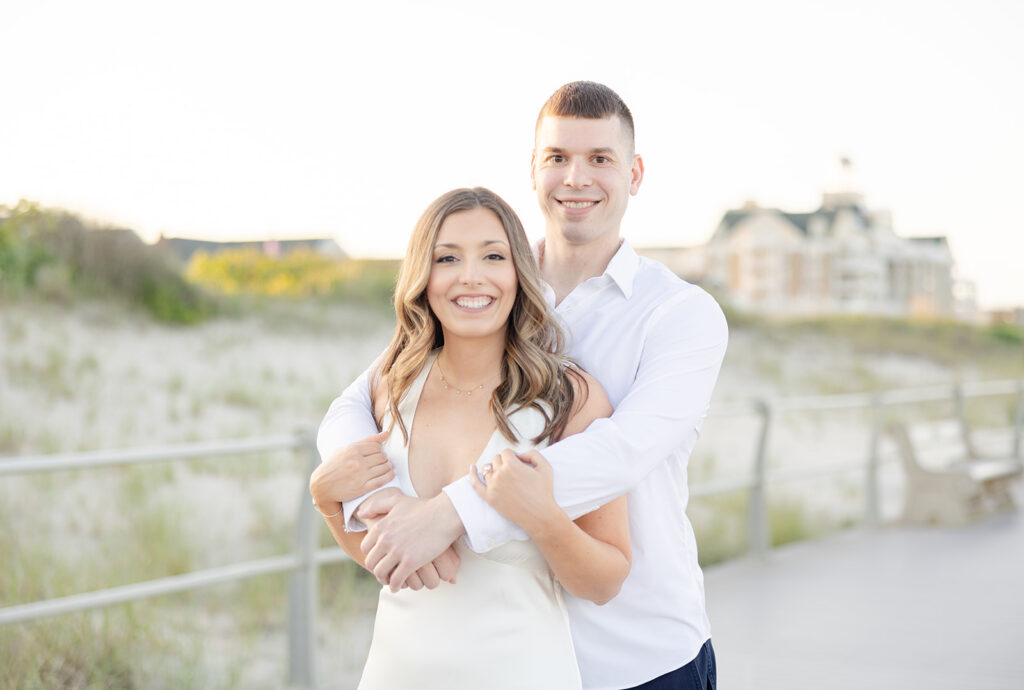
(502, 626)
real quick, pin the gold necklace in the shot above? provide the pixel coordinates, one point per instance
(449, 387)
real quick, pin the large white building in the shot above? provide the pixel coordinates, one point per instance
(839, 259)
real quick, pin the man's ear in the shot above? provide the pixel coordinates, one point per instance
(533, 178)
(636, 175)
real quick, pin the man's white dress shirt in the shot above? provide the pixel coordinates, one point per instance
(656, 344)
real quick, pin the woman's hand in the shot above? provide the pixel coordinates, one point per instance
(520, 488)
(350, 472)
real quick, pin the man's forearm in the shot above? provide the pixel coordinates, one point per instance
(412, 533)
(348, 419)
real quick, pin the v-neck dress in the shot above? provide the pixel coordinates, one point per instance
(501, 626)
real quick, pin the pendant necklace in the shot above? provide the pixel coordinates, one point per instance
(449, 387)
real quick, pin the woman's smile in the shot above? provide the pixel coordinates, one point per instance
(474, 303)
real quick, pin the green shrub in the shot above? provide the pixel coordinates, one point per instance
(1006, 333)
(19, 259)
(56, 254)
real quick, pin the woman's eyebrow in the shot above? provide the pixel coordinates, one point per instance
(453, 245)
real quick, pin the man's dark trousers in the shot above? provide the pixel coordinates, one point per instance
(699, 674)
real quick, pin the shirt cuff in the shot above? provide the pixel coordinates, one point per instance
(485, 527)
(354, 524)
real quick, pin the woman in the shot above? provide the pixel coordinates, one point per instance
(475, 367)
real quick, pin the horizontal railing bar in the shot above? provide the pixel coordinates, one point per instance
(129, 456)
(734, 410)
(166, 585)
(781, 475)
(823, 402)
(788, 474)
(973, 388)
(722, 486)
(331, 555)
(977, 389)
(902, 396)
(893, 396)
(145, 590)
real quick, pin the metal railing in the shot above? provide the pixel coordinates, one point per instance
(304, 562)
(880, 403)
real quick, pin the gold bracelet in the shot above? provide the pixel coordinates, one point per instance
(340, 510)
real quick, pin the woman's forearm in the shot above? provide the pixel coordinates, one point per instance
(591, 556)
(348, 541)
(585, 566)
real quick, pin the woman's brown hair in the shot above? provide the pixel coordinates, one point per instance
(534, 371)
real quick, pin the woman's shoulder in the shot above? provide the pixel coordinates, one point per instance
(590, 401)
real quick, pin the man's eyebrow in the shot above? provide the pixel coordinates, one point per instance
(600, 150)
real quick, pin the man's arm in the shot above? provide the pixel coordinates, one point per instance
(444, 567)
(350, 418)
(683, 348)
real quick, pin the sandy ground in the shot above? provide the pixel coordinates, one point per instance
(92, 377)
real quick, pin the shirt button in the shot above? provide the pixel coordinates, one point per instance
(491, 543)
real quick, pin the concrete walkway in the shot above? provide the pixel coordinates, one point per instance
(899, 607)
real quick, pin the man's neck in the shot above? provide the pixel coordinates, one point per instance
(563, 266)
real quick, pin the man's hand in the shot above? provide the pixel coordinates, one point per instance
(444, 568)
(412, 533)
(441, 569)
(351, 472)
(520, 488)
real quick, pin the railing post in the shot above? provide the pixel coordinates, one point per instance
(759, 535)
(871, 479)
(1018, 423)
(303, 591)
(960, 411)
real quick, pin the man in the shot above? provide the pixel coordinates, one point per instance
(656, 344)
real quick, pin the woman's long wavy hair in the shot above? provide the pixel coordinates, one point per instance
(534, 370)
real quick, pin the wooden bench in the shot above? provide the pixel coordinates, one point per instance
(957, 494)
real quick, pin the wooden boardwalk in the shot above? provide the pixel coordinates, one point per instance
(898, 607)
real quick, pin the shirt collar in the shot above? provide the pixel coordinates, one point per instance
(621, 269)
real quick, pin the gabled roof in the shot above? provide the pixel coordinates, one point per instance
(939, 239)
(801, 221)
(184, 248)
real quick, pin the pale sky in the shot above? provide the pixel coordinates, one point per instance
(241, 120)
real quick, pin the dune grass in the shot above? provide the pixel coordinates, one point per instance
(60, 256)
(154, 643)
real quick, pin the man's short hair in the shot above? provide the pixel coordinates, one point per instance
(587, 100)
